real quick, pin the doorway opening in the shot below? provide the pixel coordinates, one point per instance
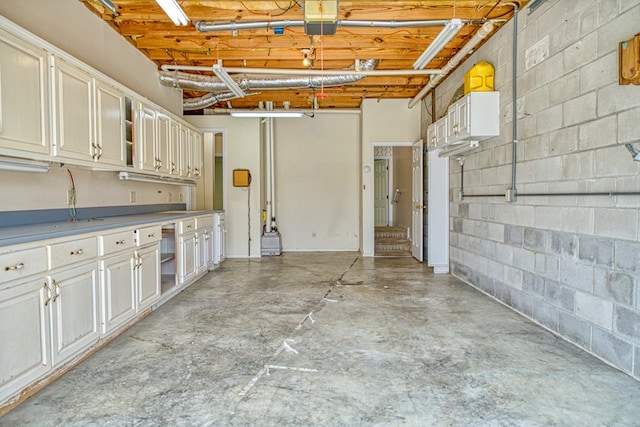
(392, 201)
(209, 193)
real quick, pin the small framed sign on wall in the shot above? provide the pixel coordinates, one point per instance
(241, 178)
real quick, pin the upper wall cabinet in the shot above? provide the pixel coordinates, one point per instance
(24, 99)
(146, 153)
(89, 117)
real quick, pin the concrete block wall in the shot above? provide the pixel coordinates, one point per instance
(570, 263)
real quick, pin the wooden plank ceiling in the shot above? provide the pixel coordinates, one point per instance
(144, 24)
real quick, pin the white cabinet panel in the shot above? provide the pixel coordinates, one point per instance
(187, 258)
(24, 334)
(145, 152)
(24, 97)
(72, 252)
(74, 308)
(73, 95)
(110, 125)
(148, 275)
(163, 144)
(118, 291)
(174, 147)
(20, 264)
(476, 116)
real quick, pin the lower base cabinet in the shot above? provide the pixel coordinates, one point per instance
(24, 334)
(148, 276)
(118, 291)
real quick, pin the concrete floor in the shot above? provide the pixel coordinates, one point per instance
(334, 339)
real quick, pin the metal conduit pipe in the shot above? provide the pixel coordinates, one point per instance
(484, 31)
(211, 26)
(512, 191)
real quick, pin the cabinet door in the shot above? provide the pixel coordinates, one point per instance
(202, 246)
(24, 334)
(24, 100)
(118, 292)
(432, 140)
(462, 107)
(73, 95)
(196, 154)
(184, 153)
(146, 138)
(187, 259)
(148, 275)
(163, 149)
(74, 308)
(220, 236)
(174, 147)
(110, 120)
(441, 131)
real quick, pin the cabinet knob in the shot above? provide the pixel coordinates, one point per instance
(151, 235)
(78, 252)
(120, 242)
(14, 267)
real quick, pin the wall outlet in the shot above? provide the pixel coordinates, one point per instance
(132, 196)
(169, 197)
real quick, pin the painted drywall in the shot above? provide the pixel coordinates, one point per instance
(402, 180)
(28, 191)
(70, 26)
(317, 182)
(571, 263)
(384, 122)
(243, 208)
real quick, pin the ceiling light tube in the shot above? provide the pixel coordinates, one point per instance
(266, 113)
(108, 4)
(458, 149)
(448, 32)
(138, 177)
(222, 74)
(174, 11)
(19, 165)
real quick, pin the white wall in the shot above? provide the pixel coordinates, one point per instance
(241, 151)
(384, 122)
(72, 27)
(317, 182)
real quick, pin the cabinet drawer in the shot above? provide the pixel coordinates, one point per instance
(115, 242)
(187, 226)
(61, 254)
(15, 265)
(148, 235)
(204, 222)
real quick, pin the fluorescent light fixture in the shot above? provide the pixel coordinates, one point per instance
(140, 177)
(222, 74)
(266, 113)
(458, 149)
(448, 32)
(20, 165)
(108, 4)
(174, 11)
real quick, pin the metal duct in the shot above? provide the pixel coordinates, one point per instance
(207, 100)
(248, 82)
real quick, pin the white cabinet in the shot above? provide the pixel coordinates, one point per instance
(219, 242)
(110, 125)
(184, 153)
(476, 116)
(174, 148)
(74, 120)
(196, 154)
(163, 144)
(146, 158)
(187, 258)
(24, 97)
(147, 266)
(89, 118)
(74, 311)
(25, 350)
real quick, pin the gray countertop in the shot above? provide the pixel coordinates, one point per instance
(30, 233)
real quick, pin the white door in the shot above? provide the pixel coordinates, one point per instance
(417, 207)
(118, 292)
(109, 125)
(381, 192)
(148, 276)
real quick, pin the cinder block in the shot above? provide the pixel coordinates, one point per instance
(522, 302)
(577, 219)
(563, 243)
(627, 323)
(636, 365)
(581, 52)
(525, 215)
(504, 253)
(598, 133)
(535, 239)
(627, 256)
(487, 284)
(615, 97)
(560, 296)
(457, 225)
(603, 71)
(576, 275)
(502, 292)
(523, 259)
(617, 29)
(549, 169)
(563, 141)
(547, 217)
(538, 99)
(588, 20)
(574, 329)
(533, 284)
(513, 277)
(596, 250)
(546, 314)
(595, 309)
(463, 210)
(616, 223)
(564, 88)
(612, 349)
(495, 232)
(615, 286)
(549, 119)
(580, 110)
